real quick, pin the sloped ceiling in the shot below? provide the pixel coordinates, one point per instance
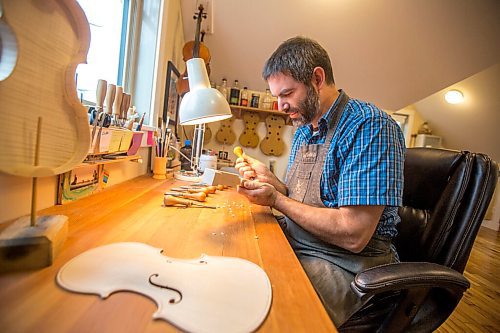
(474, 124)
(394, 53)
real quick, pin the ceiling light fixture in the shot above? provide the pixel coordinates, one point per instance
(454, 96)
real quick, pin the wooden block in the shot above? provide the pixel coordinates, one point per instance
(217, 177)
(24, 247)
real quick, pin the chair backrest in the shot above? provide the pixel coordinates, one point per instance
(446, 195)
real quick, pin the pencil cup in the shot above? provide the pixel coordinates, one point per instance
(159, 167)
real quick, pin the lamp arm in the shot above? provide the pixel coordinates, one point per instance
(177, 150)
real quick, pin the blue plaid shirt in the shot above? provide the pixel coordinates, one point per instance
(365, 161)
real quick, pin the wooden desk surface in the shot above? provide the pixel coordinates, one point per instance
(132, 211)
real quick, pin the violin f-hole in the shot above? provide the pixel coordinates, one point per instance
(171, 301)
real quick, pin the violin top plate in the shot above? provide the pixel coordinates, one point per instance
(207, 294)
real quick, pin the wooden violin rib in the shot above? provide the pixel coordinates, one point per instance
(52, 39)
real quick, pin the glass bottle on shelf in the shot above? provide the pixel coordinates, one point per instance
(223, 89)
(234, 95)
(244, 97)
(267, 102)
(255, 100)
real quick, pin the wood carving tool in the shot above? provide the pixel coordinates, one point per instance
(169, 201)
(124, 108)
(210, 188)
(238, 151)
(100, 95)
(199, 196)
(117, 105)
(219, 187)
(110, 98)
(110, 95)
(206, 189)
(190, 190)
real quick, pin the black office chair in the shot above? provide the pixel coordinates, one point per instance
(446, 195)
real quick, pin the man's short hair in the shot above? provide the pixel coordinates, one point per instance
(297, 57)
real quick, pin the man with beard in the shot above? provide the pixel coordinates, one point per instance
(344, 179)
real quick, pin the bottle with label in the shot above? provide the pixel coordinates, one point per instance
(223, 89)
(255, 100)
(234, 96)
(186, 150)
(267, 102)
(244, 97)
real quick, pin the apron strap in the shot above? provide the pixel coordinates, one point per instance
(339, 110)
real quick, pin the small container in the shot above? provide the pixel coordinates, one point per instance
(234, 94)
(244, 97)
(208, 161)
(159, 167)
(267, 103)
(255, 100)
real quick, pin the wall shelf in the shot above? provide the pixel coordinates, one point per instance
(110, 159)
(237, 111)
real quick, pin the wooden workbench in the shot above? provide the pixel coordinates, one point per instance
(133, 211)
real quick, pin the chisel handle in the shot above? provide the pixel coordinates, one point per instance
(197, 190)
(199, 196)
(100, 94)
(117, 105)
(238, 151)
(169, 200)
(110, 98)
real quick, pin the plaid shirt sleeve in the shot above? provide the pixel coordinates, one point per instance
(372, 158)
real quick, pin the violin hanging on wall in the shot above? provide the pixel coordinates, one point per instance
(194, 49)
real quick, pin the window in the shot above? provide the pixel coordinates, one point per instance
(123, 50)
(105, 58)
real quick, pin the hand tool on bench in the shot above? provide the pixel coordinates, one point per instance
(170, 201)
(210, 189)
(199, 196)
(190, 190)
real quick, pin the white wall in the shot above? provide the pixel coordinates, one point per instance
(238, 127)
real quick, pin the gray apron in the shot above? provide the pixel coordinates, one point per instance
(330, 268)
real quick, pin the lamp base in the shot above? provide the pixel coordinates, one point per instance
(25, 247)
(188, 176)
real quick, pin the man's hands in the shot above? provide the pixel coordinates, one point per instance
(250, 168)
(259, 184)
(258, 193)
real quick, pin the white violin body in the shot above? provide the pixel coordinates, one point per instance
(209, 294)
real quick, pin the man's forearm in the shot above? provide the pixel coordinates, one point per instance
(348, 227)
(280, 187)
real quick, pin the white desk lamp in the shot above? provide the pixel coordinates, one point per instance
(202, 104)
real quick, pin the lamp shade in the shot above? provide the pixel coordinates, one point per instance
(202, 104)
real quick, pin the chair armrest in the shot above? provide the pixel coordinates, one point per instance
(407, 275)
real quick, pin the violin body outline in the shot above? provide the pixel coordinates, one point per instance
(225, 134)
(249, 137)
(52, 38)
(273, 144)
(197, 295)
